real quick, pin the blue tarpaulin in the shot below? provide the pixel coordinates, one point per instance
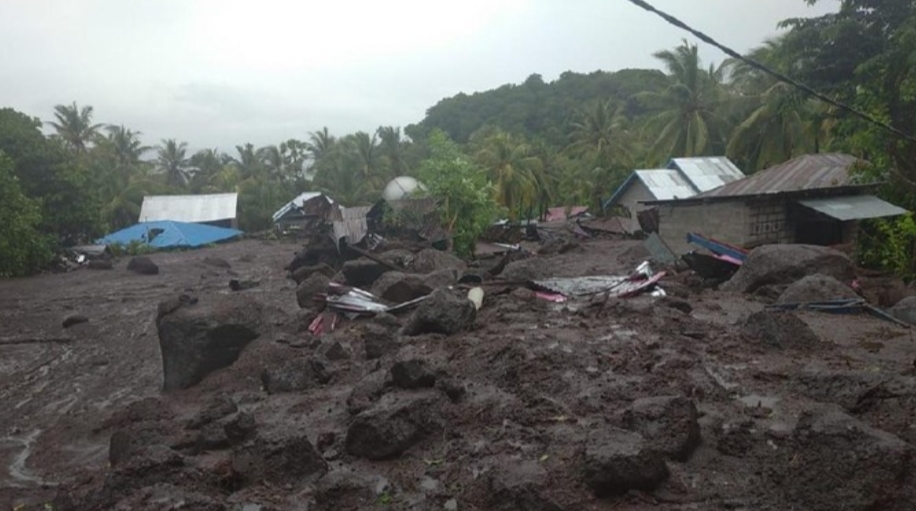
(169, 234)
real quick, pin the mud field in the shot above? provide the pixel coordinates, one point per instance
(675, 403)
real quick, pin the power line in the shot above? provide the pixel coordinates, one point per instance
(776, 74)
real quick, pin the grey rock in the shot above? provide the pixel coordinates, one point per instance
(198, 339)
(317, 283)
(362, 273)
(816, 288)
(785, 264)
(781, 330)
(617, 461)
(444, 312)
(430, 260)
(667, 423)
(279, 460)
(74, 319)
(143, 265)
(397, 287)
(394, 424)
(412, 374)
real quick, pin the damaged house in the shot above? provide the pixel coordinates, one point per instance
(216, 209)
(681, 179)
(305, 211)
(812, 199)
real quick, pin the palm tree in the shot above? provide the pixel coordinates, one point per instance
(247, 161)
(320, 143)
(205, 164)
(74, 126)
(366, 146)
(273, 163)
(776, 122)
(392, 147)
(126, 145)
(599, 138)
(689, 124)
(514, 170)
(172, 161)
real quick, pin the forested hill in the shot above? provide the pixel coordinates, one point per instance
(535, 108)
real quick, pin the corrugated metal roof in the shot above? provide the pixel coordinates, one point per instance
(189, 208)
(708, 172)
(297, 203)
(854, 207)
(811, 171)
(666, 184)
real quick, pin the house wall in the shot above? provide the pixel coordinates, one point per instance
(726, 221)
(768, 222)
(631, 199)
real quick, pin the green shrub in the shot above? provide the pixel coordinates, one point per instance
(23, 248)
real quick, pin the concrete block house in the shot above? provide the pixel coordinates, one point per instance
(812, 199)
(681, 179)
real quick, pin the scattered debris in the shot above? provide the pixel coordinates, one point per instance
(640, 281)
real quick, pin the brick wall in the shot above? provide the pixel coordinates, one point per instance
(726, 221)
(768, 222)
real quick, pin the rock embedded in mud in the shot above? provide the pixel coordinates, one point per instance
(362, 273)
(905, 310)
(445, 312)
(216, 408)
(394, 424)
(316, 284)
(239, 427)
(278, 460)
(126, 441)
(453, 389)
(518, 484)
(335, 350)
(100, 264)
(74, 319)
(526, 270)
(397, 287)
(217, 262)
(838, 462)
(667, 423)
(198, 339)
(366, 392)
(785, 264)
(429, 260)
(781, 330)
(816, 288)
(378, 341)
(143, 265)
(617, 461)
(304, 272)
(440, 278)
(412, 374)
(294, 375)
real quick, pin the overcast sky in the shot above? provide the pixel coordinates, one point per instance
(222, 72)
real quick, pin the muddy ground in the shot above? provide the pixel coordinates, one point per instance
(518, 417)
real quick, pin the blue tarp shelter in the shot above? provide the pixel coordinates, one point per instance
(169, 234)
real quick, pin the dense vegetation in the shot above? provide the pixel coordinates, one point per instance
(528, 146)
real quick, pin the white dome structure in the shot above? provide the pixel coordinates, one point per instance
(401, 188)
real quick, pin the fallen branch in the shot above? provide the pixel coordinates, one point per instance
(12, 341)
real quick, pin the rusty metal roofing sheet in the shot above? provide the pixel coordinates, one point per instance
(666, 184)
(708, 172)
(855, 207)
(811, 171)
(189, 208)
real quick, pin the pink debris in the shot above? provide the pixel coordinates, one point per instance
(550, 297)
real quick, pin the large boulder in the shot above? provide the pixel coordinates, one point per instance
(441, 278)
(785, 264)
(143, 265)
(838, 462)
(197, 339)
(317, 283)
(394, 424)
(412, 374)
(363, 272)
(668, 423)
(617, 461)
(430, 260)
(781, 330)
(905, 310)
(816, 288)
(279, 460)
(397, 287)
(445, 312)
(534, 268)
(519, 484)
(304, 272)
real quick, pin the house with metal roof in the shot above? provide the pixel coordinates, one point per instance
(681, 179)
(812, 199)
(218, 209)
(308, 208)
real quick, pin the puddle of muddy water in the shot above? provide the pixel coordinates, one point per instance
(18, 474)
